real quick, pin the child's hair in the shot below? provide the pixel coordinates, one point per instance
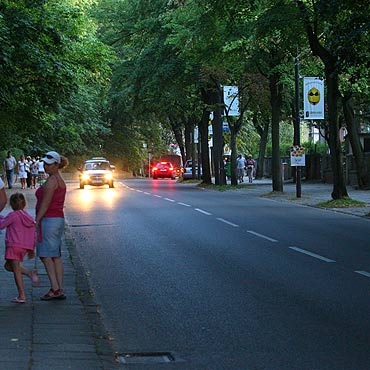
(17, 201)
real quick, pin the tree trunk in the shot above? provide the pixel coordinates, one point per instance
(263, 131)
(218, 138)
(276, 101)
(234, 176)
(203, 132)
(339, 186)
(189, 133)
(353, 131)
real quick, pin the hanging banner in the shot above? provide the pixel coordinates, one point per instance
(313, 98)
(231, 100)
(297, 156)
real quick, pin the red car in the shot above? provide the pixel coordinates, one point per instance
(164, 170)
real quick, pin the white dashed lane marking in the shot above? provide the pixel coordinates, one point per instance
(203, 211)
(227, 222)
(183, 204)
(364, 273)
(312, 254)
(262, 236)
(169, 200)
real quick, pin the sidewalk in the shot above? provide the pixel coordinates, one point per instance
(312, 193)
(51, 335)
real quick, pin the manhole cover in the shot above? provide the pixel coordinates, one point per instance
(145, 358)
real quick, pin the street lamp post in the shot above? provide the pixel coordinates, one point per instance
(297, 131)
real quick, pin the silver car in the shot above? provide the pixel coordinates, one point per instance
(96, 172)
(188, 168)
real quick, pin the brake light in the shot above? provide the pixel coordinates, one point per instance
(163, 162)
(154, 169)
(171, 168)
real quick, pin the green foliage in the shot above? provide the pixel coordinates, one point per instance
(54, 75)
(312, 148)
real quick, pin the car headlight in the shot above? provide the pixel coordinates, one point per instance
(85, 177)
(108, 176)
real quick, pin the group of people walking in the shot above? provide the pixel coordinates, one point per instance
(30, 170)
(243, 165)
(25, 235)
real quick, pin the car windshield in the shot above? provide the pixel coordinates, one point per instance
(97, 166)
(190, 164)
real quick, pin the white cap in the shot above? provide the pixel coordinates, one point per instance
(51, 157)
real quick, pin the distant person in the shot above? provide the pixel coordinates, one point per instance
(41, 175)
(28, 170)
(50, 223)
(22, 171)
(20, 239)
(251, 165)
(10, 164)
(240, 166)
(34, 168)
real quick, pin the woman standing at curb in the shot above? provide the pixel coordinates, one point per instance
(50, 223)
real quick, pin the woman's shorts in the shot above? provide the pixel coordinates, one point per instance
(15, 254)
(49, 237)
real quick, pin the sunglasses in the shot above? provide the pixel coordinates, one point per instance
(48, 156)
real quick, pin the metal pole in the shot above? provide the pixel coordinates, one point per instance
(297, 136)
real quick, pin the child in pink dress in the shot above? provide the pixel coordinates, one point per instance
(20, 239)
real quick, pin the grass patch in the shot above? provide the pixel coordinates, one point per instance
(222, 187)
(188, 181)
(345, 202)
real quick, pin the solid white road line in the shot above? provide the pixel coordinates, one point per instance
(183, 204)
(202, 211)
(227, 222)
(364, 273)
(312, 254)
(262, 236)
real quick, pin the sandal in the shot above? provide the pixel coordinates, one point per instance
(53, 294)
(59, 294)
(18, 300)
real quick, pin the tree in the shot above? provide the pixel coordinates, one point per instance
(51, 69)
(324, 48)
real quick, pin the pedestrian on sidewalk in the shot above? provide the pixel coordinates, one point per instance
(251, 165)
(240, 164)
(10, 164)
(50, 223)
(20, 239)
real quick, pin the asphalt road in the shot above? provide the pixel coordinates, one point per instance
(224, 280)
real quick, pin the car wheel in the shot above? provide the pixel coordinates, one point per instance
(82, 186)
(111, 185)
(155, 177)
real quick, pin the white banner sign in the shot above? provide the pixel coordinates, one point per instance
(297, 156)
(313, 98)
(231, 100)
